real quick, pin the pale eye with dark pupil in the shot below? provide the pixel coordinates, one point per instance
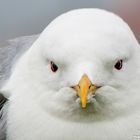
(119, 64)
(54, 67)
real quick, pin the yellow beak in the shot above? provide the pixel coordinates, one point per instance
(83, 88)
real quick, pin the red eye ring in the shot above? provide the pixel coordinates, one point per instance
(54, 67)
(119, 64)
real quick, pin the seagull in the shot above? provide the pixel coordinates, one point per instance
(79, 80)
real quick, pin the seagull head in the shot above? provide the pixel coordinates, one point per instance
(83, 65)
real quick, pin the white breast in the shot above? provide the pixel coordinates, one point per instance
(27, 121)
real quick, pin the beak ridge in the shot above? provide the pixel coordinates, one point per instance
(83, 88)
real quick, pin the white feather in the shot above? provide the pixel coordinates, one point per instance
(86, 41)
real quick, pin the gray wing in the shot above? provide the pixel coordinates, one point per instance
(10, 51)
(3, 117)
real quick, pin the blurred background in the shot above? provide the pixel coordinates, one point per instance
(27, 17)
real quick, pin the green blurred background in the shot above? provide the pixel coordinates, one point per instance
(26, 17)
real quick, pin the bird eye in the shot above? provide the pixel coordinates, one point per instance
(54, 67)
(119, 64)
